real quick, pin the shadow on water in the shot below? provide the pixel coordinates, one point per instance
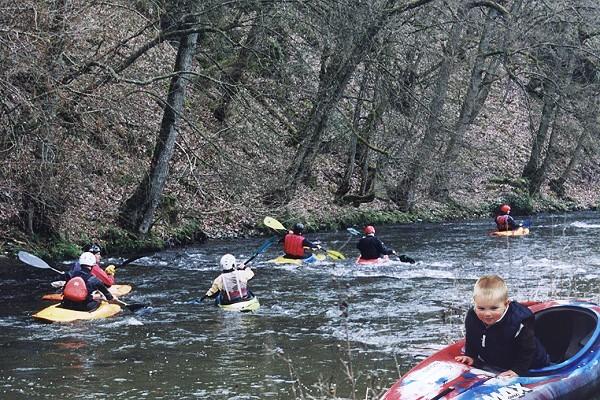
(298, 344)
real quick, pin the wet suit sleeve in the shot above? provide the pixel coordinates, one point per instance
(524, 347)
(383, 249)
(103, 276)
(512, 223)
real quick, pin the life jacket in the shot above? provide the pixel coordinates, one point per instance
(502, 223)
(292, 245)
(75, 289)
(235, 287)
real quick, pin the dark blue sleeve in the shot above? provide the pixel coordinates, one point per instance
(308, 243)
(382, 248)
(472, 337)
(95, 284)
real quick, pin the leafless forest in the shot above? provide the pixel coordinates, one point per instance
(153, 115)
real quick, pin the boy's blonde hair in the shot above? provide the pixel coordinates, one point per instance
(490, 287)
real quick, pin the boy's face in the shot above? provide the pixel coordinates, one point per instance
(488, 310)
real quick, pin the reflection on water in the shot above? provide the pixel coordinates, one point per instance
(298, 344)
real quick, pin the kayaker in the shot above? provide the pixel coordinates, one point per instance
(296, 246)
(500, 332)
(232, 284)
(107, 276)
(81, 287)
(504, 221)
(371, 247)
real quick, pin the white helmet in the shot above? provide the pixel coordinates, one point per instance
(87, 258)
(228, 262)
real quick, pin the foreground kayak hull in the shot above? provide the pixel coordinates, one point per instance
(517, 232)
(115, 290)
(298, 261)
(242, 306)
(55, 313)
(568, 329)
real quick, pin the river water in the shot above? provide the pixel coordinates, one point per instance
(301, 343)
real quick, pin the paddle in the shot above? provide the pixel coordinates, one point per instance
(266, 244)
(35, 261)
(133, 307)
(526, 224)
(278, 227)
(402, 257)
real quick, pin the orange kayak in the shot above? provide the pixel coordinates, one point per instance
(521, 231)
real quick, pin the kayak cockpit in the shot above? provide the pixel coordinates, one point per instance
(567, 333)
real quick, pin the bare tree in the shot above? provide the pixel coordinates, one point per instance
(137, 213)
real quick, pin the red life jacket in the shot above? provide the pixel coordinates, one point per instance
(292, 245)
(75, 289)
(502, 223)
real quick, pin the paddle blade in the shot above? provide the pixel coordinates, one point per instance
(406, 259)
(336, 255)
(526, 223)
(32, 260)
(274, 224)
(135, 306)
(353, 231)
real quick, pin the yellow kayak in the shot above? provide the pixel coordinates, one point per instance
(115, 290)
(242, 306)
(298, 261)
(521, 231)
(55, 313)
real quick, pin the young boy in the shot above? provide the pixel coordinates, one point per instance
(500, 332)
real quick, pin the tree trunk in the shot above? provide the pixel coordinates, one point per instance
(137, 213)
(590, 129)
(405, 193)
(532, 169)
(332, 84)
(233, 76)
(345, 184)
(441, 182)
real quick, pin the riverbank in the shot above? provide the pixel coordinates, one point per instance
(120, 243)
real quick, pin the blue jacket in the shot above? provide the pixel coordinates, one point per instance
(510, 343)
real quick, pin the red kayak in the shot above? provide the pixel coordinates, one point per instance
(568, 329)
(373, 261)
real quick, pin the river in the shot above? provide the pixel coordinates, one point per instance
(300, 343)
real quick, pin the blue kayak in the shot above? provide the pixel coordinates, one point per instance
(569, 331)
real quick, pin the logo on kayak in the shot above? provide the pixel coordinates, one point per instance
(507, 393)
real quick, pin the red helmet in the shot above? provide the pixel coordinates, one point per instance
(505, 208)
(369, 229)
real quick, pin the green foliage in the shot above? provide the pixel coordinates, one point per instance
(117, 240)
(63, 249)
(189, 233)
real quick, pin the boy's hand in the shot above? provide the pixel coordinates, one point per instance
(110, 270)
(464, 359)
(508, 374)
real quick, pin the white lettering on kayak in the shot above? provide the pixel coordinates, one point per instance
(507, 393)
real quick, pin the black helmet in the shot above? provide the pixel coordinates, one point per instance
(298, 228)
(93, 248)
